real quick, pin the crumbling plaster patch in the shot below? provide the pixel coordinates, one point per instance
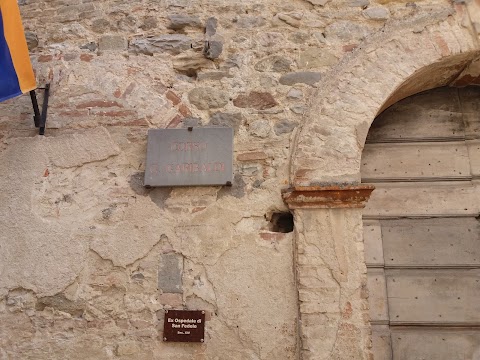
(246, 274)
(137, 229)
(49, 253)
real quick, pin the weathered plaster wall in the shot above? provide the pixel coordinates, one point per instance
(89, 258)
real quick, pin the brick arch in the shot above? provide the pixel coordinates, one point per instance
(385, 69)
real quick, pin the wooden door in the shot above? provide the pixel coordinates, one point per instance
(422, 228)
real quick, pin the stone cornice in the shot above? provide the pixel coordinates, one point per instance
(326, 197)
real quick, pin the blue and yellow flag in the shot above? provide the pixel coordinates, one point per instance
(16, 73)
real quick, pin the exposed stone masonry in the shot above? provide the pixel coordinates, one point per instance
(90, 259)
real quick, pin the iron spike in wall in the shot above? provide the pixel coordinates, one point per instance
(40, 120)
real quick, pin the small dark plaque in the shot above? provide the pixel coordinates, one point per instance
(184, 326)
(186, 157)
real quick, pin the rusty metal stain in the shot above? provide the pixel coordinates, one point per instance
(318, 197)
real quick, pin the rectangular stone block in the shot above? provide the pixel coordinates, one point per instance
(112, 42)
(170, 273)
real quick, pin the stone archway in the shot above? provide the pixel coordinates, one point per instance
(325, 171)
(389, 67)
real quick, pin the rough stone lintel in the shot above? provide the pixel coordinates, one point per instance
(326, 197)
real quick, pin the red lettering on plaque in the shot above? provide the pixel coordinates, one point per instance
(218, 166)
(154, 169)
(188, 146)
(191, 168)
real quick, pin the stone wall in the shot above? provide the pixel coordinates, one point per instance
(90, 259)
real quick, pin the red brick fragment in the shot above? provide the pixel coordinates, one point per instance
(350, 47)
(272, 236)
(98, 103)
(45, 58)
(137, 122)
(348, 311)
(173, 97)
(184, 110)
(133, 70)
(255, 100)
(128, 90)
(266, 173)
(159, 87)
(442, 44)
(74, 113)
(120, 113)
(348, 328)
(252, 156)
(174, 122)
(86, 57)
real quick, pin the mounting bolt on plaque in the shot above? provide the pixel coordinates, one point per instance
(164, 339)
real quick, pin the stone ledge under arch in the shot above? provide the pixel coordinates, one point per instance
(327, 197)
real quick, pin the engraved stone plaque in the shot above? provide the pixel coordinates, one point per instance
(186, 157)
(184, 326)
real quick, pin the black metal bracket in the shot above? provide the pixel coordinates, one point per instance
(40, 120)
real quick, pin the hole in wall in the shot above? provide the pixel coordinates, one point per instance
(281, 222)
